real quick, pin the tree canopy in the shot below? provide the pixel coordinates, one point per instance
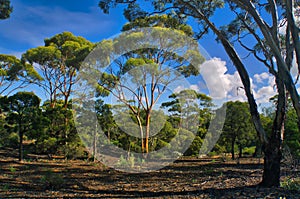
(5, 9)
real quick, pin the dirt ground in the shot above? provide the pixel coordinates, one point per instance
(186, 178)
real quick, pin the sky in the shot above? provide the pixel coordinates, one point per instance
(34, 20)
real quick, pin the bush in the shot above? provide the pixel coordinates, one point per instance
(47, 146)
(13, 140)
(194, 149)
(123, 162)
(212, 153)
(291, 184)
(73, 150)
(249, 150)
(51, 180)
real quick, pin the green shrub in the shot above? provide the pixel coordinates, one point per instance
(73, 151)
(122, 162)
(131, 161)
(51, 180)
(194, 148)
(212, 153)
(291, 184)
(249, 150)
(13, 140)
(12, 169)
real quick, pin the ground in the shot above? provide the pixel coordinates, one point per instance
(186, 178)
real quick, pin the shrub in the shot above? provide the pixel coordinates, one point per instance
(123, 162)
(291, 184)
(51, 180)
(48, 146)
(212, 153)
(13, 140)
(249, 150)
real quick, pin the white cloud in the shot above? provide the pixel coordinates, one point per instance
(180, 88)
(220, 84)
(264, 94)
(194, 87)
(259, 78)
(294, 69)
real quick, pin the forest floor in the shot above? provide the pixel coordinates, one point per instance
(186, 178)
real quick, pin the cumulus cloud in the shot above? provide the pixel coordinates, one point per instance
(219, 83)
(222, 85)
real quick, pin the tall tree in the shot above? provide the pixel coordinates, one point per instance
(58, 62)
(23, 110)
(264, 30)
(196, 106)
(139, 78)
(238, 129)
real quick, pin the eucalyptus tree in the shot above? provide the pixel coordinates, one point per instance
(139, 78)
(196, 106)
(58, 61)
(259, 21)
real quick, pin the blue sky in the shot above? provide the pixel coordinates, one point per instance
(34, 20)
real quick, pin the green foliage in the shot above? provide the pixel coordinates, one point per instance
(47, 145)
(24, 110)
(249, 150)
(74, 149)
(122, 161)
(59, 59)
(238, 130)
(5, 9)
(12, 140)
(12, 169)
(292, 134)
(194, 149)
(15, 74)
(51, 180)
(291, 184)
(291, 131)
(166, 21)
(130, 162)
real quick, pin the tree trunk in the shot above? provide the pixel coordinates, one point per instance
(95, 141)
(258, 152)
(272, 151)
(21, 146)
(240, 151)
(271, 175)
(232, 148)
(146, 144)
(141, 133)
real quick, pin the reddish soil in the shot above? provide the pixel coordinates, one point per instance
(186, 178)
